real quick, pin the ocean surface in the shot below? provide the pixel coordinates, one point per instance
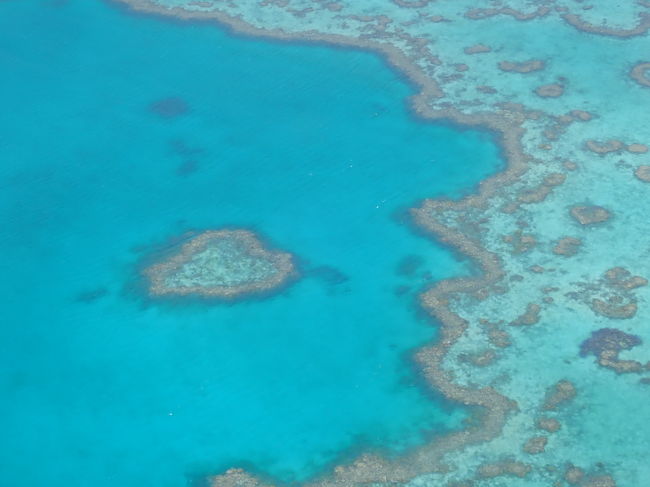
(121, 132)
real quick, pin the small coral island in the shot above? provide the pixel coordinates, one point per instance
(223, 264)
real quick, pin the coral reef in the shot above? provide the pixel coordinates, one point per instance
(504, 468)
(551, 425)
(606, 344)
(589, 215)
(522, 67)
(552, 90)
(640, 74)
(535, 445)
(567, 246)
(558, 394)
(220, 264)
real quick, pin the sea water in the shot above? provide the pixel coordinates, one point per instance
(120, 132)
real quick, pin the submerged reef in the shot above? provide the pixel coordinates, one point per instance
(613, 295)
(522, 67)
(220, 264)
(606, 344)
(571, 204)
(589, 215)
(169, 107)
(641, 74)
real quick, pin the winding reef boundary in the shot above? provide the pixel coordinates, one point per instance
(495, 407)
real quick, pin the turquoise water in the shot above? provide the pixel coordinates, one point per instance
(312, 147)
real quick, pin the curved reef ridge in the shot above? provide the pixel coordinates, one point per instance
(220, 264)
(532, 306)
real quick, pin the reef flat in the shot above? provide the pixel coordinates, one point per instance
(558, 236)
(221, 264)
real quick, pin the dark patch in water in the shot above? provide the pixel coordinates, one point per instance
(171, 107)
(181, 148)
(187, 167)
(409, 265)
(607, 339)
(402, 290)
(402, 217)
(88, 297)
(328, 274)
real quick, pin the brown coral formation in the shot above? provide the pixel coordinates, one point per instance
(570, 165)
(482, 358)
(621, 278)
(614, 307)
(574, 475)
(503, 469)
(642, 173)
(641, 74)
(611, 296)
(567, 246)
(413, 4)
(581, 115)
(640, 29)
(477, 49)
(522, 67)
(488, 90)
(236, 477)
(539, 193)
(637, 148)
(578, 477)
(613, 145)
(558, 394)
(520, 242)
(618, 303)
(609, 359)
(550, 425)
(600, 481)
(499, 338)
(530, 317)
(220, 264)
(460, 483)
(552, 90)
(484, 13)
(590, 214)
(496, 336)
(536, 445)
(603, 148)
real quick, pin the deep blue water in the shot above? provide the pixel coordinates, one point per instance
(119, 132)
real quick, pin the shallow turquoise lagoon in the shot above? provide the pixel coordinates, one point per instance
(120, 132)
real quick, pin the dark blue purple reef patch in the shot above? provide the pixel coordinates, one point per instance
(608, 339)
